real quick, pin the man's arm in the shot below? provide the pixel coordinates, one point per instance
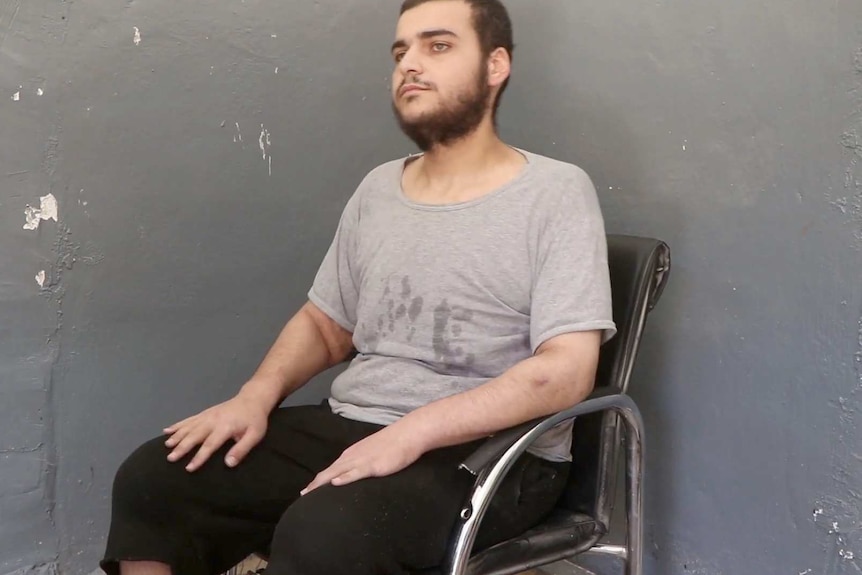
(310, 343)
(560, 375)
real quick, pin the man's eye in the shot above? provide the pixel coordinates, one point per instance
(439, 47)
(398, 56)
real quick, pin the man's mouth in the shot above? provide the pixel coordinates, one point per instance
(411, 88)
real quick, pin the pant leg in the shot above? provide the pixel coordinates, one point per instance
(399, 524)
(205, 522)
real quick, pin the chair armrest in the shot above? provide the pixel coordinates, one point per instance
(491, 450)
(493, 459)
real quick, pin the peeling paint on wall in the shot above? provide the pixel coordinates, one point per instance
(40, 278)
(47, 210)
(137, 36)
(265, 143)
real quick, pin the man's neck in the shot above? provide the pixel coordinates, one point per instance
(465, 158)
(463, 171)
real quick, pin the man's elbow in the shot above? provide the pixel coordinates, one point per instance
(561, 392)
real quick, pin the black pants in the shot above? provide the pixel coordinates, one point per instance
(204, 523)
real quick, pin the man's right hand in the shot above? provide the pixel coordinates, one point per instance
(242, 419)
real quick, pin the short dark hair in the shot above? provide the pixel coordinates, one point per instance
(493, 26)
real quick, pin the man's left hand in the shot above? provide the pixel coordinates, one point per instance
(388, 451)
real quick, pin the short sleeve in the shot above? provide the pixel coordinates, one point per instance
(336, 286)
(571, 288)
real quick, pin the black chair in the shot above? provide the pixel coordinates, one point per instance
(639, 270)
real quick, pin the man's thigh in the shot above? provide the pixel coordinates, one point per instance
(377, 525)
(400, 523)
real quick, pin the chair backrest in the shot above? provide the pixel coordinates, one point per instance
(639, 269)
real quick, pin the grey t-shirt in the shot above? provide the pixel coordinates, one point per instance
(443, 298)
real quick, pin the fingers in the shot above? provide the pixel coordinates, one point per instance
(178, 425)
(213, 441)
(249, 439)
(338, 473)
(349, 477)
(185, 441)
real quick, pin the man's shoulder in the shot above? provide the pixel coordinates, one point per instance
(556, 169)
(385, 172)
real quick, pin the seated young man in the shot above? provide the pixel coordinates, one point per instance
(472, 283)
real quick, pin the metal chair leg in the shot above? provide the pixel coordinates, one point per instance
(634, 491)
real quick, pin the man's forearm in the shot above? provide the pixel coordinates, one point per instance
(302, 350)
(541, 385)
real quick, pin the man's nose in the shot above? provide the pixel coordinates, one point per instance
(410, 64)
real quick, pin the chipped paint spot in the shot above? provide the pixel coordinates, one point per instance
(806, 572)
(276, 69)
(273, 35)
(40, 278)
(265, 143)
(846, 555)
(39, 91)
(137, 37)
(238, 136)
(17, 95)
(47, 210)
(817, 513)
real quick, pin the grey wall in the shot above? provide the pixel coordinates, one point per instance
(731, 129)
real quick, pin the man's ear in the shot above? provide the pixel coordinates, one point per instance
(499, 67)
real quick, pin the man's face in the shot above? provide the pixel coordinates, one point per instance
(440, 89)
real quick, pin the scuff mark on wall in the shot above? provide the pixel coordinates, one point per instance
(47, 210)
(265, 143)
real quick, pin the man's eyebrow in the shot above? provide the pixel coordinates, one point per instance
(424, 36)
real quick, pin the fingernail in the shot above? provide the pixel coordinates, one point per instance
(231, 461)
(303, 492)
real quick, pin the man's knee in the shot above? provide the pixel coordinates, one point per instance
(325, 533)
(144, 480)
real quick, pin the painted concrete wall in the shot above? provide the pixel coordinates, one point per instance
(200, 154)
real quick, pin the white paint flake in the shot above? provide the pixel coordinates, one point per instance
(276, 69)
(39, 91)
(817, 513)
(273, 35)
(17, 95)
(137, 37)
(265, 143)
(40, 278)
(846, 555)
(47, 210)
(238, 136)
(806, 572)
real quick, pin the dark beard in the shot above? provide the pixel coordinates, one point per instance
(450, 122)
